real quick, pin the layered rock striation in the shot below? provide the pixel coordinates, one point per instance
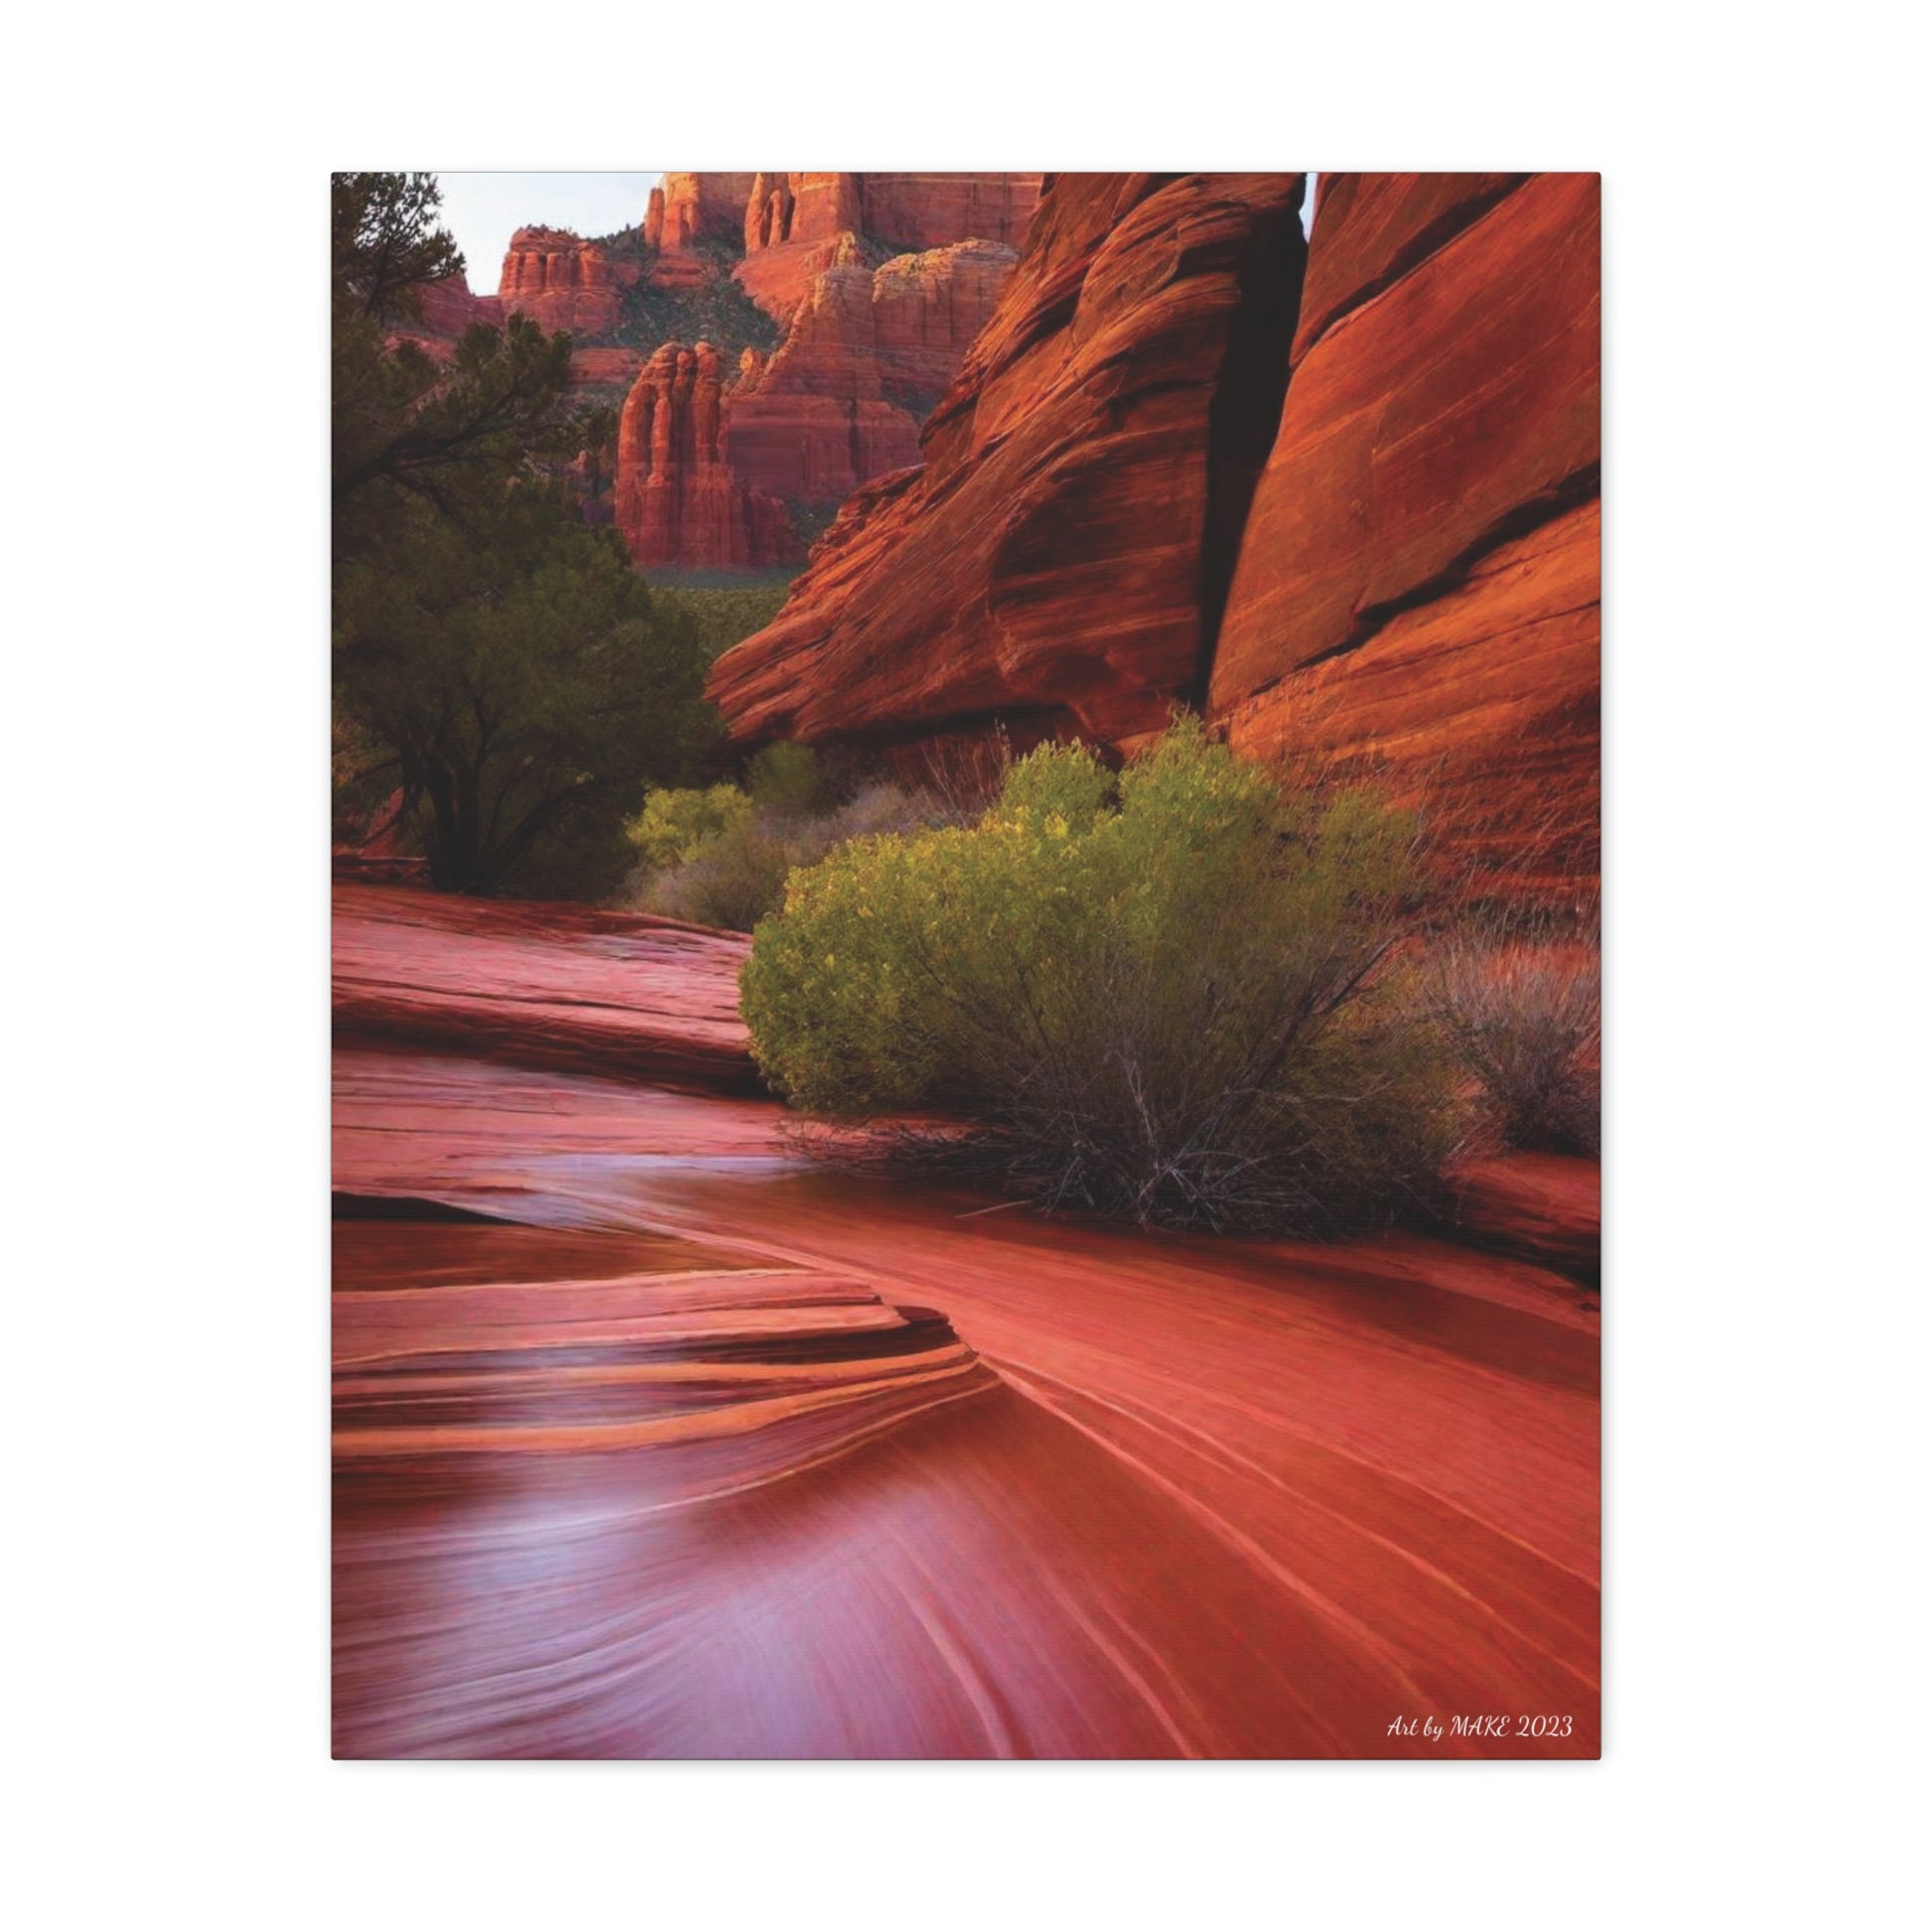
(794, 223)
(1417, 596)
(692, 208)
(1347, 505)
(869, 350)
(1046, 565)
(678, 501)
(872, 336)
(560, 281)
(651, 1441)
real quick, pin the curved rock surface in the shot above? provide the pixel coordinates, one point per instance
(1547, 1207)
(1351, 513)
(1417, 592)
(1080, 495)
(650, 1443)
(544, 985)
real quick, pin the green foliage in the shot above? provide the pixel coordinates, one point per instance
(409, 430)
(725, 615)
(675, 823)
(1168, 996)
(385, 247)
(721, 858)
(718, 311)
(494, 660)
(521, 678)
(405, 428)
(788, 779)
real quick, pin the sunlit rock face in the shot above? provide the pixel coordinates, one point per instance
(560, 281)
(678, 501)
(879, 284)
(1416, 593)
(794, 223)
(1343, 496)
(1047, 565)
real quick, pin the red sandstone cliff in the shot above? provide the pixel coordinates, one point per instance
(794, 222)
(1046, 566)
(1417, 591)
(866, 353)
(871, 338)
(449, 307)
(676, 500)
(692, 208)
(1355, 518)
(560, 281)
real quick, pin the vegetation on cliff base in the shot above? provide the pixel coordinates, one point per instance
(496, 661)
(716, 310)
(722, 856)
(1171, 995)
(1518, 993)
(725, 613)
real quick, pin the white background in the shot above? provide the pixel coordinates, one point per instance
(166, 968)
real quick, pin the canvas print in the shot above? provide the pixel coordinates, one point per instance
(965, 965)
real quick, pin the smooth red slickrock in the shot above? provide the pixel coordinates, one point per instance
(688, 1451)
(560, 281)
(678, 501)
(1479, 704)
(1547, 1207)
(1375, 228)
(543, 985)
(1047, 564)
(1417, 586)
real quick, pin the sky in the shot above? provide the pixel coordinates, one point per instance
(482, 211)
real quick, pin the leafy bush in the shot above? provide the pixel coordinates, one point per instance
(1169, 996)
(722, 857)
(1519, 995)
(788, 779)
(675, 822)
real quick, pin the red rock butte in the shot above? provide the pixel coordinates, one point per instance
(1341, 495)
(879, 283)
(678, 501)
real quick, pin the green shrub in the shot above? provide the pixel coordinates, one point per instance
(1168, 996)
(734, 872)
(674, 823)
(1519, 995)
(790, 780)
